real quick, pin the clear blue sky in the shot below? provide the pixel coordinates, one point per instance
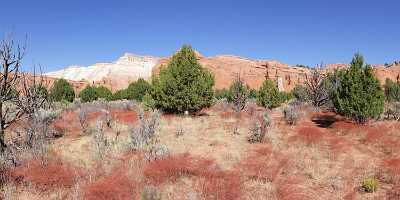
(62, 33)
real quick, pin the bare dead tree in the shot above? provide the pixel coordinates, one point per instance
(11, 56)
(20, 94)
(316, 86)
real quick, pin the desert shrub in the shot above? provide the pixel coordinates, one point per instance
(148, 102)
(300, 92)
(142, 136)
(392, 91)
(171, 169)
(62, 91)
(392, 111)
(136, 90)
(103, 93)
(88, 94)
(221, 185)
(120, 95)
(269, 95)
(291, 114)
(285, 96)
(184, 85)
(222, 94)
(359, 94)
(239, 93)
(370, 185)
(253, 93)
(114, 186)
(150, 193)
(318, 87)
(259, 128)
(157, 152)
(45, 176)
(91, 93)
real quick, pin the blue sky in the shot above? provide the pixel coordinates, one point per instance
(83, 32)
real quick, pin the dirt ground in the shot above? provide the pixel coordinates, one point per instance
(323, 156)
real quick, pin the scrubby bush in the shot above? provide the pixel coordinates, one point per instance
(300, 92)
(150, 193)
(392, 111)
(103, 93)
(136, 90)
(259, 128)
(291, 114)
(91, 93)
(184, 85)
(120, 95)
(359, 94)
(142, 135)
(239, 93)
(222, 94)
(370, 185)
(318, 87)
(269, 95)
(62, 91)
(253, 93)
(148, 102)
(88, 94)
(392, 91)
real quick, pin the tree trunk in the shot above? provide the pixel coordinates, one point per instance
(2, 140)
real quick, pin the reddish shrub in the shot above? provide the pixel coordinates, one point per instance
(221, 185)
(294, 189)
(310, 135)
(174, 167)
(264, 165)
(116, 186)
(48, 176)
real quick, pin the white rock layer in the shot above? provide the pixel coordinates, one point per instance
(129, 66)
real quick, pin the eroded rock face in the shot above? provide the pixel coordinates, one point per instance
(118, 74)
(115, 75)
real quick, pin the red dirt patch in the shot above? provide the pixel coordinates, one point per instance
(45, 177)
(115, 186)
(310, 135)
(125, 116)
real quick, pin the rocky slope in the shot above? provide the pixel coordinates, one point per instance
(117, 75)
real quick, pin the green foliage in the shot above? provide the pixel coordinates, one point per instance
(91, 93)
(370, 185)
(285, 96)
(269, 95)
(120, 94)
(136, 90)
(222, 94)
(183, 85)
(88, 94)
(104, 93)
(358, 94)
(301, 93)
(148, 102)
(239, 93)
(392, 91)
(62, 91)
(253, 93)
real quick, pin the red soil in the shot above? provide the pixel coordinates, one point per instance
(310, 135)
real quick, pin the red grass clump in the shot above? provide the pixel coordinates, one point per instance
(310, 135)
(116, 186)
(53, 174)
(174, 167)
(294, 189)
(264, 165)
(221, 185)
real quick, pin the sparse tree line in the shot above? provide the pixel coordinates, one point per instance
(185, 86)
